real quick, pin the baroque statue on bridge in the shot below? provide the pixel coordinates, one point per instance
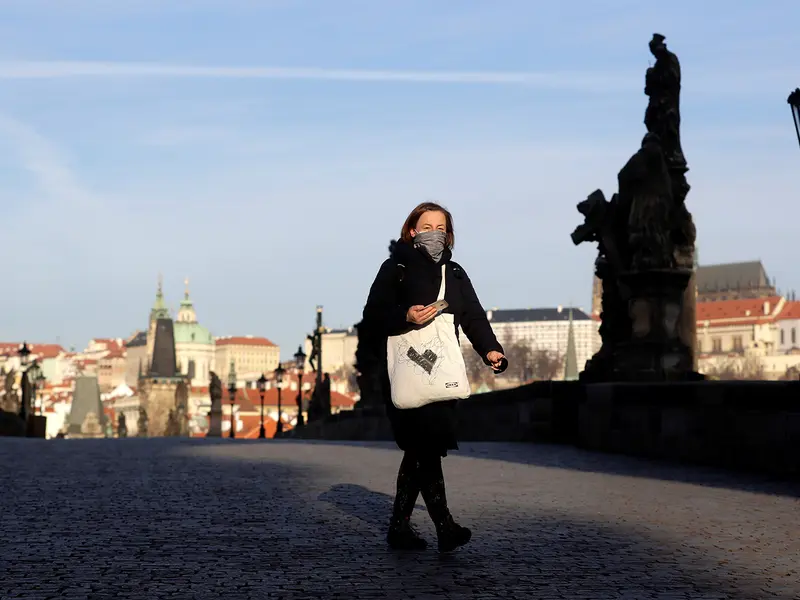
(645, 238)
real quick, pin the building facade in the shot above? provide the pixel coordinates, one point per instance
(338, 350)
(251, 356)
(733, 281)
(548, 329)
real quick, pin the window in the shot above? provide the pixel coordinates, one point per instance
(737, 343)
(716, 345)
(794, 336)
(782, 338)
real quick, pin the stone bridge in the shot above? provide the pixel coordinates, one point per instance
(202, 519)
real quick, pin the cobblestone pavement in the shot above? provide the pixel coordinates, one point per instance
(201, 519)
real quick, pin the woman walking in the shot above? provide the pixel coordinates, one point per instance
(406, 284)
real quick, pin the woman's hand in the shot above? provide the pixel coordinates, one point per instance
(419, 314)
(495, 359)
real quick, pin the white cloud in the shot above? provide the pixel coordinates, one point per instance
(42, 159)
(599, 82)
(708, 80)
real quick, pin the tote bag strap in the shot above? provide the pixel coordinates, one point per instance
(442, 287)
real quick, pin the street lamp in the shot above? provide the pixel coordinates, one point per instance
(262, 387)
(300, 365)
(232, 396)
(35, 379)
(794, 103)
(279, 380)
(24, 352)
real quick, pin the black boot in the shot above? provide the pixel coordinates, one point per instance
(449, 533)
(402, 535)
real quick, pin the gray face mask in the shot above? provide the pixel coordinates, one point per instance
(431, 243)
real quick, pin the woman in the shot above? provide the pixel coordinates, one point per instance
(406, 283)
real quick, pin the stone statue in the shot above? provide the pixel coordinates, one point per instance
(645, 240)
(142, 423)
(181, 408)
(122, 426)
(663, 118)
(172, 429)
(215, 414)
(645, 193)
(10, 399)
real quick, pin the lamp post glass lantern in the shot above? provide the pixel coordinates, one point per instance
(232, 397)
(279, 382)
(300, 365)
(24, 352)
(35, 378)
(794, 103)
(262, 388)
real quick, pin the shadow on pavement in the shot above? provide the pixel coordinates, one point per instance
(569, 457)
(164, 519)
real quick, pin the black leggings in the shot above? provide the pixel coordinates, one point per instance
(421, 473)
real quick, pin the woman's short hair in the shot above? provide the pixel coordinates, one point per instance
(413, 219)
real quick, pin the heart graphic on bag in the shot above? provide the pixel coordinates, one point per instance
(426, 360)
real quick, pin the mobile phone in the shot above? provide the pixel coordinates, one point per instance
(439, 305)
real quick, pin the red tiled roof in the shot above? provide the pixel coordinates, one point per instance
(114, 353)
(791, 310)
(248, 340)
(739, 312)
(41, 351)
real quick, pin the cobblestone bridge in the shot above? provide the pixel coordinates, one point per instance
(228, 520)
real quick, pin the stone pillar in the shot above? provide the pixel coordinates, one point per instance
(687, 325)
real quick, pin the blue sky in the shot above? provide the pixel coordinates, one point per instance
(268, 150)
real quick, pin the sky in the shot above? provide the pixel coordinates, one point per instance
(268, 150)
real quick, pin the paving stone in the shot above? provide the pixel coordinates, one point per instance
(168, 518)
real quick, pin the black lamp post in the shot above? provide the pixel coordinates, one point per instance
(300, 365)
(262, 387)
(279, 380)
(24, 352)
(232, 396)
(35, 379)
(794, 103)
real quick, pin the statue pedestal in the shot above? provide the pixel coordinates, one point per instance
(214, 423)
(37, 426)
(654, 351)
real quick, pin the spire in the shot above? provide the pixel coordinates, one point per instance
(186, 312)
(159, 310)
(571, 360)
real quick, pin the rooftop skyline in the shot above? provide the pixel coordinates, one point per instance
(269, 150)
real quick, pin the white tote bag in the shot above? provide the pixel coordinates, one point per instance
(426, 364)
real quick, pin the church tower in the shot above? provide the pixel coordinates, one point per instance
(159, 311)
(186, 313)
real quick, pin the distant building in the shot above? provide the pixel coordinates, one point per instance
(251, 356)
(548, 329)
(135, 358)
(733, 281)
(338, 349)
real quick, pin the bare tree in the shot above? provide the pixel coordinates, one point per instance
(750, 368)
(547, 365)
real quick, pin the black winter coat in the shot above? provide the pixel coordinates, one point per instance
(409, 277)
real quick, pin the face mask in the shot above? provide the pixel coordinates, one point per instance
(431, 243)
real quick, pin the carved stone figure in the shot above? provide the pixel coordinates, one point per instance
(122, 426)
(10, 398)
(142, 423)
(171, 428)
(645, 239)
(215, 414)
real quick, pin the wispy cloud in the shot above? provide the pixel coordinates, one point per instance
(585, 81)
(40, 157)
(709, 80)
